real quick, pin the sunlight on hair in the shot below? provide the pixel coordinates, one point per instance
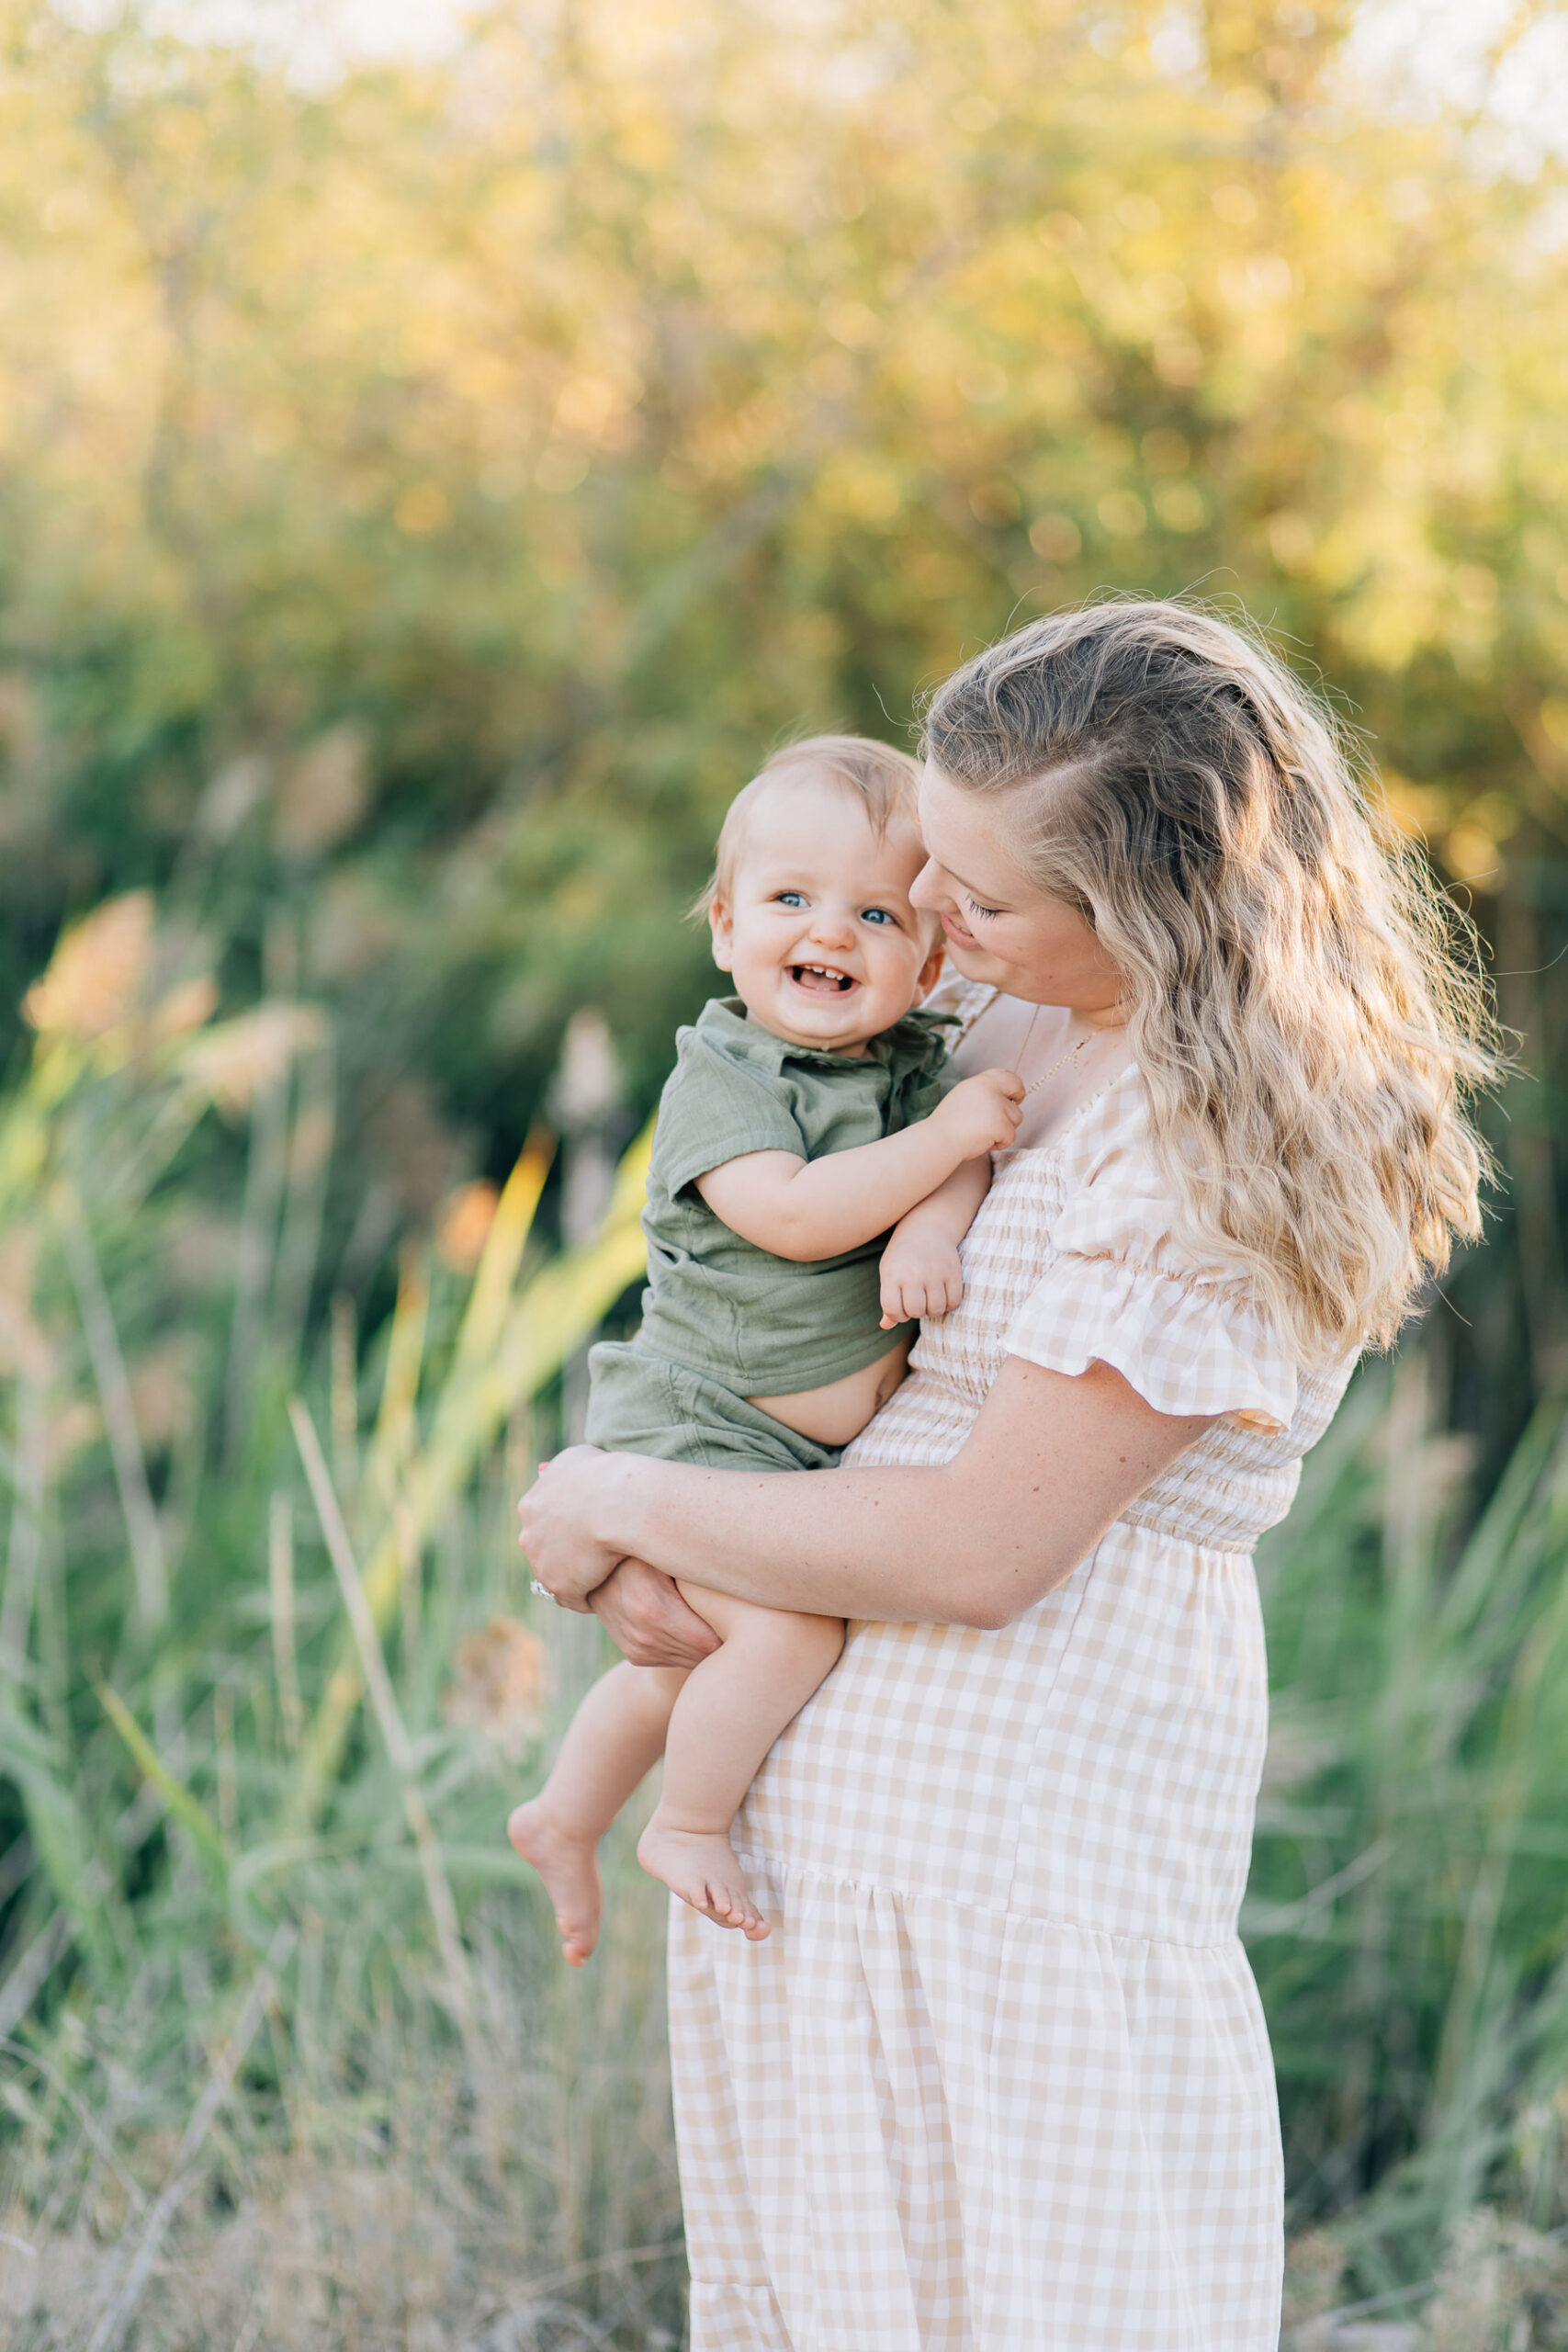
(1307, 1011)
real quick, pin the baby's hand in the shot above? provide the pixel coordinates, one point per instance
(983, 1113)
(920, 1277)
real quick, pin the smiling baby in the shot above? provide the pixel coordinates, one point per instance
(806, 1115)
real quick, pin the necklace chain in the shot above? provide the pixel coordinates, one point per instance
(1045, 1076)
(1072, 1054)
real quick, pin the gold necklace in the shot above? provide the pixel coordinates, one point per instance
(1044, 1079)
(1044, 1076)
(1070, 1055)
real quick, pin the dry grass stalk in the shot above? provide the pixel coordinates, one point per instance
(109, 2333)
(280, 1593)
(119, 1415)
(97, 972)
(400, 1748)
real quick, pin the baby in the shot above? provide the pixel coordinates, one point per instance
(805, 1118)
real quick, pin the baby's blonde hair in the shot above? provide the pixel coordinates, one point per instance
(1305, 1006)
(884, 780)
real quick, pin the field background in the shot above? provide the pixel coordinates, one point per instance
(431, 478)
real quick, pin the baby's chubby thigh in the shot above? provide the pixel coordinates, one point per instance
(789, 1641)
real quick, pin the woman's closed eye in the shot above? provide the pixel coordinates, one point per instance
(977, 908)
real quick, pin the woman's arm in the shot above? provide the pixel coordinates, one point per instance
(646, 1618)
(1051, 1463)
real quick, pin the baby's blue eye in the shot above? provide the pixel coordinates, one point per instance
(792, 897)
(878, 914)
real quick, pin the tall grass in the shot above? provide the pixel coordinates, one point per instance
(287, 2053)
(289, 2056)
(1408, 1913)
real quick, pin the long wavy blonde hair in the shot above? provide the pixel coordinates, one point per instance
(1305, 1006)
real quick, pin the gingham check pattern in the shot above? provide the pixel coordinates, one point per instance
(998, 2082)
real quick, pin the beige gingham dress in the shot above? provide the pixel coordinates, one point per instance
(1000, 2081)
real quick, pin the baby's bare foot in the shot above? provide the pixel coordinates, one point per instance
(700, 1867)
(569, 1868)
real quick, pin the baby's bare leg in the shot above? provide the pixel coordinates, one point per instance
(731, 1711)
(612, 1743)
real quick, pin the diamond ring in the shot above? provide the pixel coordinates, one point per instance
(542, 1590)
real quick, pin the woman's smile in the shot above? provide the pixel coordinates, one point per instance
(1028, 945)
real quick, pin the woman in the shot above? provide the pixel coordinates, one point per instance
(1000, 2078)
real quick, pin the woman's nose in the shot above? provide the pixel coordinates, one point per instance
(926, 890)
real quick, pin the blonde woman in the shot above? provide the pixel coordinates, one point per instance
(1000, 2079)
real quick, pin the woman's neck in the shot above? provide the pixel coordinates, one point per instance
(1065, 1055)
(1096, 1018)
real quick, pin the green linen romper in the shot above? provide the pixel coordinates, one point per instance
(722, 1319)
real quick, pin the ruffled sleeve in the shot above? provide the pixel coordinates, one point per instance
(1120, 1290)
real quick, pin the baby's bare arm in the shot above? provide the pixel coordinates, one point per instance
(921, 1270)
(805, 1209)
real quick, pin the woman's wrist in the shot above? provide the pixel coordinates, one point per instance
(614, 1517)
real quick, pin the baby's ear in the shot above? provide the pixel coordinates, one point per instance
(721, 924)
(931, 972)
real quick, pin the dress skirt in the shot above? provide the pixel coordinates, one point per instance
(972, 2093)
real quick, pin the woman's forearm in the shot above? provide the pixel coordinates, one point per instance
(1051, 1463)
(843, 1547)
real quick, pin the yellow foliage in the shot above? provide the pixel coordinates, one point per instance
(323, 795)
(463, 1226)
(239, 1058)
(97, 973)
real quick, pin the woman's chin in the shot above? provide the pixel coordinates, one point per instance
(967, 956)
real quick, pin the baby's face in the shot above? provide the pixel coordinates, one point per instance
(823, 943)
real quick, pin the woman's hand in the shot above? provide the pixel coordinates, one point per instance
(639, 1608)
(556, 1522)
(647, 1621)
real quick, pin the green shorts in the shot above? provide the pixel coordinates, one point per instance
(640, 1404)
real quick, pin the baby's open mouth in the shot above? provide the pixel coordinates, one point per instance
(820, 980)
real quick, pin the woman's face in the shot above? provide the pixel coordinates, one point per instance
(1000, 927)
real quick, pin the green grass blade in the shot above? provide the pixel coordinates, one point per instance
(556, 1311)
(187, 1809)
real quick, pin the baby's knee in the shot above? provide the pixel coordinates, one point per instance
(813, 1641)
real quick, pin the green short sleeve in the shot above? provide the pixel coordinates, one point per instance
(714, 1109)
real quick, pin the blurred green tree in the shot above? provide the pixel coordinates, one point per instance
(424, 499)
